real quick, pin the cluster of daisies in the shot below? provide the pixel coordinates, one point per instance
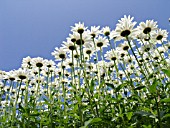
(92, 61)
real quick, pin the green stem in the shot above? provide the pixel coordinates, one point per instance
(158, 112)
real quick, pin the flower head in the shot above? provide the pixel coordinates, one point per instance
(22, 74)
(160, 35)
(147, 27)
(79, 27)
(101, 42)
(26, 62)
(125, 28)
(94, 31)
(59, 53)
(69, 45)
(37, 62)
(106, 31)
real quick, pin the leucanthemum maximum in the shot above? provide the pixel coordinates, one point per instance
(11, 75)
(69, 45)
(124, 29)
(26, 62)
(160, 35)
(59, 53)
(147, 27)
(37, 62)
(101, 42)
(22, 74)
(94, 31)
(106, 31)
(79, 27)
(125, 46)
(111, 55)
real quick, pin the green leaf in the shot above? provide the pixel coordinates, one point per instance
(143, 113)
(120, 86)
(110, 85)
(166, 116)
(92, 85)
(150, 76)
(167, 72)
(87, 123)
(139, 88)
(101, 84)
(145, 126)
(21, 109)
(35, 114)
(129, 115)
(165, 100)
(46, 101)
(152, 88)
(94, 120)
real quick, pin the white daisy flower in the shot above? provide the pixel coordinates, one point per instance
(37, 62)
(106, 31)
(111, 55)
(59, 53)
(11, 75)
(147, 27)
(101, 42)
(69, 45)
(124, 29)
(79, 27)
(94, 31)
(26, 62)
(22, 74)
(160, 35)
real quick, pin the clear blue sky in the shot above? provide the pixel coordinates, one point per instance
(35, 27)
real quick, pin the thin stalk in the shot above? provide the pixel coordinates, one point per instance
(158, 112)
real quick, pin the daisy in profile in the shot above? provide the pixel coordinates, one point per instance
(49, 63)
(79, 27)
(26, 62)
(70, 63)
(69, 45)
(160, 35)
(11, 75)
(94, 31)
(129, 59)
(111, 55)
(106, 31)
(37, 62)
(72, 37)
(88, 52)
(49, 66)
(22, 74)
(101, 42)
(147, 27)
(125, 46)
(124, 29)
(59, 53)
(63, 65)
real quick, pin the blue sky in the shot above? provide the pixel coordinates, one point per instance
(35, 27)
